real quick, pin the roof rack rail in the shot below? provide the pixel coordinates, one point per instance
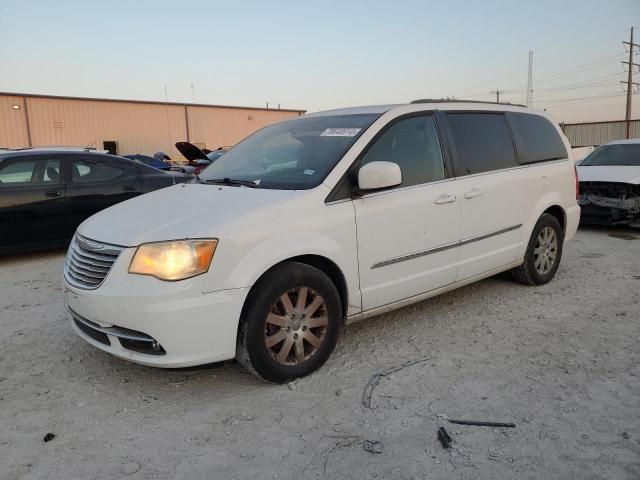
(53, 147)
(444, 100)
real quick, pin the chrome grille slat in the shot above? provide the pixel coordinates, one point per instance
(88, 262)
(88, 273)
(95, 256)
(99, 263)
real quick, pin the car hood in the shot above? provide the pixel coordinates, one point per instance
(613, 173)
(190, 151)
(178, 212)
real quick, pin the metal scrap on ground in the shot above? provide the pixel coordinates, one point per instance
(483, 424)
(367, 393)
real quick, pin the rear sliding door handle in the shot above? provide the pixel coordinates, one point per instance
(474, 192)
(445, 198)
(53, 193)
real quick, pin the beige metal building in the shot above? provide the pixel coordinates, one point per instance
(135, 126)
(596, 133)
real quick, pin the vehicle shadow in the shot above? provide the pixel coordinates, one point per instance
(32, 256)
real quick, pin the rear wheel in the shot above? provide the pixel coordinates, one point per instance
(291, 323)
(543, 254)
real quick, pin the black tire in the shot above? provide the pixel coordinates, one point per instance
(527, 273)
(288, 278)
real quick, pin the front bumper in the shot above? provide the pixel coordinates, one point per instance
(151, 322)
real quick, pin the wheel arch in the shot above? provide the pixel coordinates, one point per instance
(560, 214)
(322, 263)
(550, 203)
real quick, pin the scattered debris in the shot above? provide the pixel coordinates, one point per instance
(373, 446)
(49, 436)
(483, 424)
(444, 437)
(367, 393)
(293, 385)
(338, 392)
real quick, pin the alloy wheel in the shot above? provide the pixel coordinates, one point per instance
(546, 250)
(296, 326)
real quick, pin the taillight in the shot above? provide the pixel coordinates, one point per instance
(575, 172)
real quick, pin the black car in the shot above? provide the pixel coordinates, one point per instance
(149, 161)
(46, 194)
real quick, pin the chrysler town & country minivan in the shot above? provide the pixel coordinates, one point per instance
(319, 221)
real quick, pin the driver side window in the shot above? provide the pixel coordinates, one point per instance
(413, 144)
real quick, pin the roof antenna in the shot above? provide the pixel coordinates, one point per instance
(89, 145)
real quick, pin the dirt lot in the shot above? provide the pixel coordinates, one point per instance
(561, 361)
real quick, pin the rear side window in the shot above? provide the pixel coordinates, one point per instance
(413, 144)
(482, 142)
(84, 171)
(537, 139)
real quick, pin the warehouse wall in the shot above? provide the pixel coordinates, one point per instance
(138, 127)
(598, 133)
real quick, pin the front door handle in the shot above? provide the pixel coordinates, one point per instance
(474, 192)
(445, 198)
(53, 193)
(129, 188)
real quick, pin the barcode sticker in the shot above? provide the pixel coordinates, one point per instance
(340, 132)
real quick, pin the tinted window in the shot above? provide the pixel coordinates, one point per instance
(83, 171)
(482, 142)
(51, 172)
(621, 154)
(536, 138)
(413, 144)
(16, 173)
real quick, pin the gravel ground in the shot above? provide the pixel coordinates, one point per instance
(560, 361)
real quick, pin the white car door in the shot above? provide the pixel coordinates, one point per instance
(408, 235)
(495, 193)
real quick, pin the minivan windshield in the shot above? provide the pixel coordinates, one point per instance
(293, 155)
(621, 154)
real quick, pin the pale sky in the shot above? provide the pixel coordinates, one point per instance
(317, 55)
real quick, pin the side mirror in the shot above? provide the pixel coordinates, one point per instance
(378, 175)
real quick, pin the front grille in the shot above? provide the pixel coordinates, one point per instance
(129, 339)
(97, 335)
(88, 262)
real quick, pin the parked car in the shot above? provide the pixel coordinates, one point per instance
(610, 184)
(46, 193)
(324, 219)
(149, 161)
(198, 159)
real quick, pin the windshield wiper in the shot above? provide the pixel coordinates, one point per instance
(233, 182)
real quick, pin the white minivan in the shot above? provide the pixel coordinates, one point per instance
(319, 221)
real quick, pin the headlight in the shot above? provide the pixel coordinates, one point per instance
(174, 260)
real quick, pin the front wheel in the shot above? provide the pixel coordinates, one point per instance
(543, 254)
(291, 323)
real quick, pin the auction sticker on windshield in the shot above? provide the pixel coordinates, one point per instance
(340, 132)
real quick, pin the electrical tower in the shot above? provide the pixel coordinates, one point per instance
(530, 81)
(630, 83)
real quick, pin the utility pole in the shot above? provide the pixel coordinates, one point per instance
(530, 81)
(497, 92)
(630, 82)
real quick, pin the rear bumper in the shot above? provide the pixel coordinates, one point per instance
(160, 324)
(573, 219)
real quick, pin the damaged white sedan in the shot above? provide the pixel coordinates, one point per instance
(610, 184)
